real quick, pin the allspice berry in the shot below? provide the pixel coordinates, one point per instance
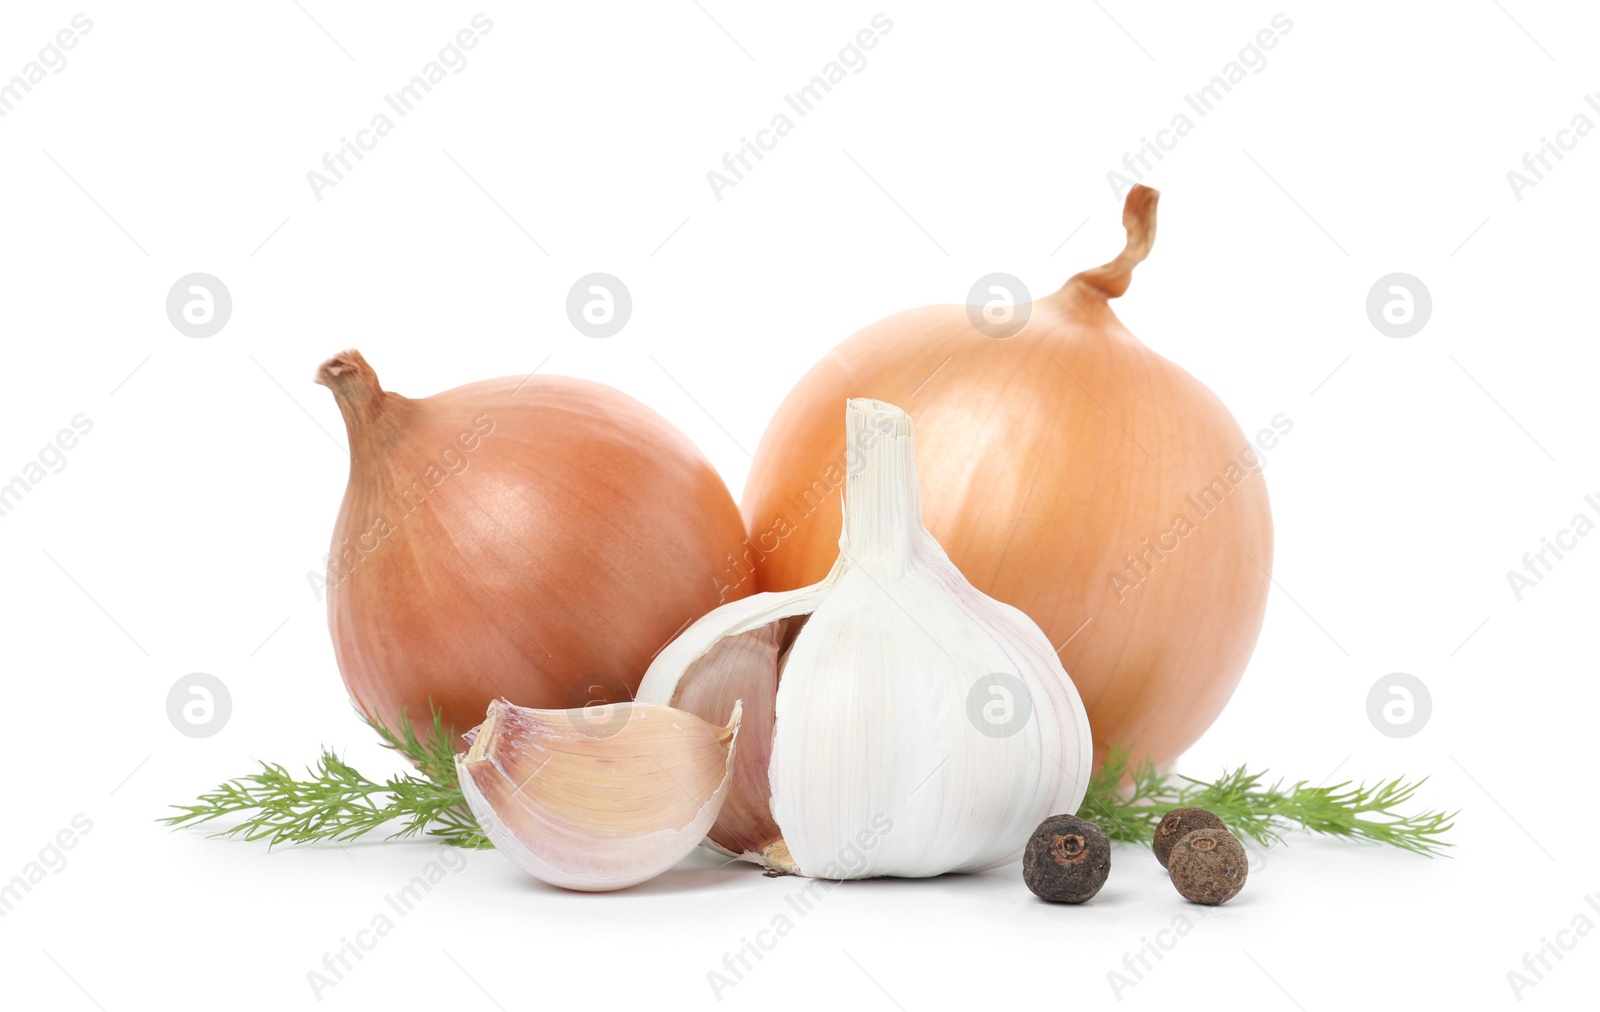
(1208, 866)
(1067, 859)
(1179, 823)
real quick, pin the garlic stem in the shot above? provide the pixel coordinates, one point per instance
(882, 505)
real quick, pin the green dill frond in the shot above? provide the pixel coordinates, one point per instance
(1128, 803)
(336, 802)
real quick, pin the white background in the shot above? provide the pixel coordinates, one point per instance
(177, 539)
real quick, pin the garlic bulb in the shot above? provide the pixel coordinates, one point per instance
(599, 797)
(899, 722)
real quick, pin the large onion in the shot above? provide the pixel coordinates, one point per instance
(537, 539)
(1049, 460)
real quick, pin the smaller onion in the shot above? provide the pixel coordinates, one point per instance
(538, 539)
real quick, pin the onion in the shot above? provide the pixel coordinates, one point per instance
(1056, 465)
(537, 539)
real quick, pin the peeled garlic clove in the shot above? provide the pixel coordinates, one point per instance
(601, 797)
(914, 725)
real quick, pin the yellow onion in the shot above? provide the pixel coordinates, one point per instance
(538, 539)
(1056, 463)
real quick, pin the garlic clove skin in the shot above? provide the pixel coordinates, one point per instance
(736, 656)
(597, 798)
(884, 759)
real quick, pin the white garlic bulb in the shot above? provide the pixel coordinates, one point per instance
(896, 720)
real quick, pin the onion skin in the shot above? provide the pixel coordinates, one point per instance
(565, 534)
(1046, 459)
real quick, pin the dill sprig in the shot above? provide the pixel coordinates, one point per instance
(334, 801)
(1128, 802)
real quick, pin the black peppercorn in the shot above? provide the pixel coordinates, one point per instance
(1067, 859)
(1208, 866)
(1179, 823)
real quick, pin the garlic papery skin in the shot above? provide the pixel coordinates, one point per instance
(596, 798)
(915, 726)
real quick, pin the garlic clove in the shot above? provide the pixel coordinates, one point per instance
(743, 667)
(737, 657)
(601, 797)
